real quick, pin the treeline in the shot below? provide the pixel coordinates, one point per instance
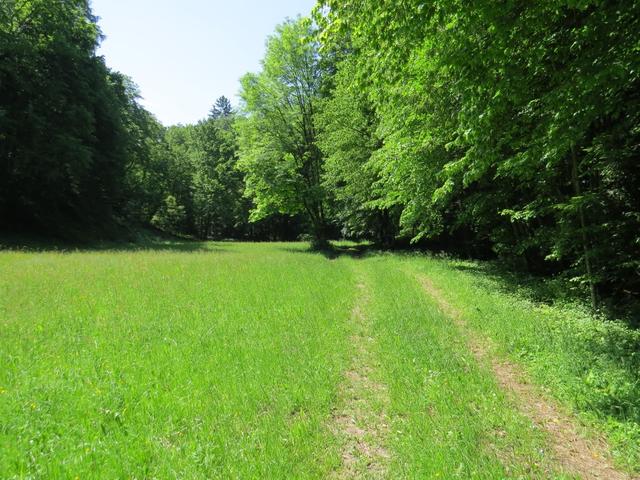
(508, 129)
(64, 142)
(80, 158)
(503, 127)
(188, 183)
(483, 128)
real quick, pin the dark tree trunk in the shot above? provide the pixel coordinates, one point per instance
(583, 230)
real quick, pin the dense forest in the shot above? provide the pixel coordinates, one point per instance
(506, 130)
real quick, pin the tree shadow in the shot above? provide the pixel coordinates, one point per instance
(546, 290)
(337, 250)
(184, 246)
(158, 243)
(506, 280)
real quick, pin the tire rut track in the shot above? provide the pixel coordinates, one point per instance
(360, 418)
(588, 458)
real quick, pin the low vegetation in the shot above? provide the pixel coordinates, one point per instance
(201, 359)
(590, 363)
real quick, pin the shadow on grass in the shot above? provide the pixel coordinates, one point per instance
(510, 281)
(548, 290)
(144, 242)
(337, 250)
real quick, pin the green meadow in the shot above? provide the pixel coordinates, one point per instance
(231, 360)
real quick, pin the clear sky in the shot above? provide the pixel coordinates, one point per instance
(185, 53)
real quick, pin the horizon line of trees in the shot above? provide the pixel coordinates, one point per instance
(80, 158)
(484, 129)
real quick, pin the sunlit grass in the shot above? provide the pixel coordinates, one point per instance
(224, 360)
(591, 364)
(164, 363)
(450, 418)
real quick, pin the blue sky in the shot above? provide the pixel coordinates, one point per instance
(185, 53)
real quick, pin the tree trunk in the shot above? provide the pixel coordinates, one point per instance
(583, 230)
(320, 240)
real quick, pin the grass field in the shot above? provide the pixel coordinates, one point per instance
(222, 360)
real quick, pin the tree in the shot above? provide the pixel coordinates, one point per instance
(220, 209)
(348, 138)
(510, 128)
(170, 217)
(147, 154)
(278, 151)
(222, 108)
(64, 140)
(196, 165)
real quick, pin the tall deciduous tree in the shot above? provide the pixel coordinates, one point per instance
(348, 138)
(63, 142)
(510, 126)
(278, 150)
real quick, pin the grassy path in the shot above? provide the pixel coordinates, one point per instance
(359, 418)
(448, 418)
(572, 451)
(588, 365)
(267, 361)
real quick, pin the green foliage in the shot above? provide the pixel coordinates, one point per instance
(64, 145)
(589, 363)
(146, 172)
(219, 209)
(197, 166)
(221, 108)
(201, 173)
(79, 150)
(277, 136)
(508, 130)
(170, 217)
(510, 127)
(347, 127)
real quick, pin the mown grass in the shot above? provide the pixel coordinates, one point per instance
(450, 419)
(590, 363)
(219, 360)
(219, 363)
